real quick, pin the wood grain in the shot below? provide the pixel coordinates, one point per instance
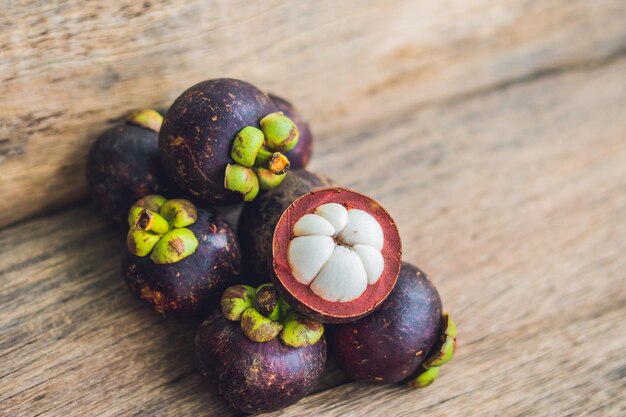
(512, 199)
(70, 69)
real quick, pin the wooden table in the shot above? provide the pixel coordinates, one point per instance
(493, 131)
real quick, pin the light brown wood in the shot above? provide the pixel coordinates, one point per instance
(70, 69)
(513, 200)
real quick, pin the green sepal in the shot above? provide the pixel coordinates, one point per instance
(246, 145)
(148, 119)
(152, 202)
(241, 180)
(267, 179)
(281, 133)
(174, 246)
(140, 243)
(299, 331)
(425, 378)
(152, 222)
(257, 327)
(179, 212)
(236, 300)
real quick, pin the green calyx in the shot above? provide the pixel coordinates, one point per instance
(174, 246)
(246, 145)
(148, 119)
(179, 212)
(259, 161)
(236, 300)
(300, 331)
(281, 133)
(440, 355)
(241, 180)
(152, 202)
(149, 221)
(425, 378)
(158, 228)
(257, 327)
(267, 179)
(263, 316)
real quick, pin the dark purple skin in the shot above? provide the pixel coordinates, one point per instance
(299, 156)
(256, 377)
(259, 218)
(123, 166)
(198, 131)
(192, 285)
(388, 345)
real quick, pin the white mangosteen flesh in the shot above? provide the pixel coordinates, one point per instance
(337, 252)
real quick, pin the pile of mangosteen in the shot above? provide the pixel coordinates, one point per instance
(312, 266)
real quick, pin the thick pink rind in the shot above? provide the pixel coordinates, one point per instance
(300, 296)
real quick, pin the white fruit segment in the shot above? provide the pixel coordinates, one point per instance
(337, 252)
(343, 278)
(308, 254)
(335, 213)
(362, 228)
(372, 262)
(312, 224)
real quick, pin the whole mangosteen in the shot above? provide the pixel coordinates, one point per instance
(260, 355)
(123, 165)
(336, 255)
(259, 218)
(177, 256)
(406, 339)
(224, 140)
(300, 155)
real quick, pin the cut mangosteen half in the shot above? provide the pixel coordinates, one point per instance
(336, 255)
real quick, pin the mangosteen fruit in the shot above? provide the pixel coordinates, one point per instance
(123, 165)
(224, 140)
(336, 255)
(406, 339)
(259, 354)
(177, 256)
(300, 155)
(259, 218)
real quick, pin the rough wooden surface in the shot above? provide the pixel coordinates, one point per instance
(69, 69)
(513, 200)
(496, 138)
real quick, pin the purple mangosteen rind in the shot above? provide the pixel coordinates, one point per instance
(258, 219)
(256, 377)
(300, 155)
(183, 284)
(123, 165)
(390, 344)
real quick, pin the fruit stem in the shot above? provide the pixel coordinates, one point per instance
(275, 162)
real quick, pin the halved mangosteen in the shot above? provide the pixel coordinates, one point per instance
(336, 255)
(259, 218)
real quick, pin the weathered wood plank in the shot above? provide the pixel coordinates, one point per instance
(512, 199)
(69, 69)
